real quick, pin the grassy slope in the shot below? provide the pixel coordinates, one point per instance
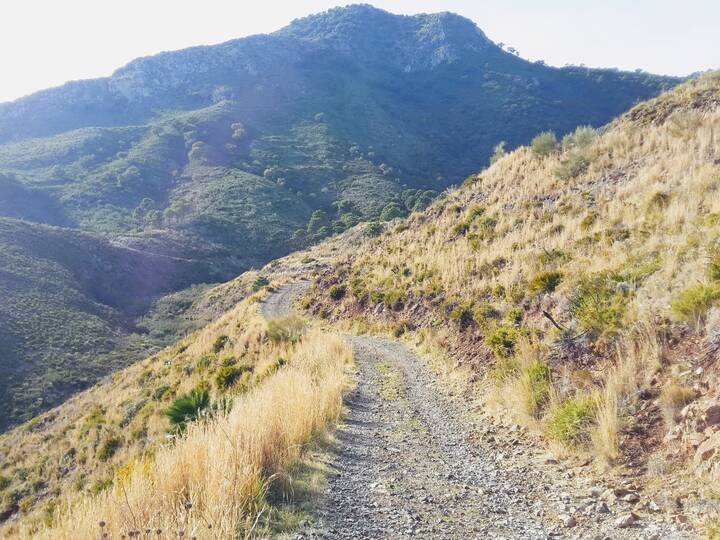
(78, 449)
(623, 256)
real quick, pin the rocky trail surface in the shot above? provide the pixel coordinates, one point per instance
(412, 461)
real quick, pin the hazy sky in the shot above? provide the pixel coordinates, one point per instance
(47, 42)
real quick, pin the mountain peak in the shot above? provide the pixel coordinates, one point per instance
(414, 41)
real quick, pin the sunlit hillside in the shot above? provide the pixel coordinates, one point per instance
(579, 281)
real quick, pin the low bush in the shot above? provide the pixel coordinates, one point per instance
(514, 315)
(499, 152)
(188, 408)
(373, 229)
(535, 380)
(485, 312)
(259, 283)
(572, 166)
(693, 303)
(599, 306)
(714, 268)
(219, 343)
(337, 292)
(570, 423)
(503, 369)
(394, 300)
(582, 137)
(502, 341)
(108, 447)
(545, 282)
(463, 314)
(228, 375)
(544, 144)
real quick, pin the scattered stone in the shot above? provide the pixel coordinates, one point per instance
(568, 520)
(626, 520)
(630, 498)
(602, 508)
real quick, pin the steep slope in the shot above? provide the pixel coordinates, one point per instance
(266, 394)
(578, 287)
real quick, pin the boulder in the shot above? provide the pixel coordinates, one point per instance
(708, 449)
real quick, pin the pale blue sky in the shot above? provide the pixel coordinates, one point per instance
(47, 42)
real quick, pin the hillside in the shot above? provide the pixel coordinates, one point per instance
(75, 308)
(568, 296)
(575, 287)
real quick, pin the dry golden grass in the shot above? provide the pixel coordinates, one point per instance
(62, 454)
(209, 483)
(622, 239)
(673, 398)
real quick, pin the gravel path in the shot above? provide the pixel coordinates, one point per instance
(280, 303)
(410, 463)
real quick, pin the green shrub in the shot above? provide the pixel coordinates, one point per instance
(599, 305)
(714, 268)
(514, 315)
(463, 314)
(502, 341)
(394, 300)
(545, 282)
(498, 152)
(220, 343)
(373, 229)
(485, 312)
(357, 288)
(392, 211)
(544, 144)
(286, 329)
(460, 229)
(694, 302)
(572, 166)
(337, 292)
(571, 422)
(228, 375)
(552, 256)
(582, 137)
(108, 447)
(536, 378)
(588, 221)
(100, 485)
(188, 408)
(160, 392)
(4, 482)
(259, 283)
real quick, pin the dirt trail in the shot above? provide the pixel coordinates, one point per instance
(280, 303)
(410, 464)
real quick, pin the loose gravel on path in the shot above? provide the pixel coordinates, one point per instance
(410, 463)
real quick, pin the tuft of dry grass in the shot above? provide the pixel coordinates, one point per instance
(210, 482)
(673, 398)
